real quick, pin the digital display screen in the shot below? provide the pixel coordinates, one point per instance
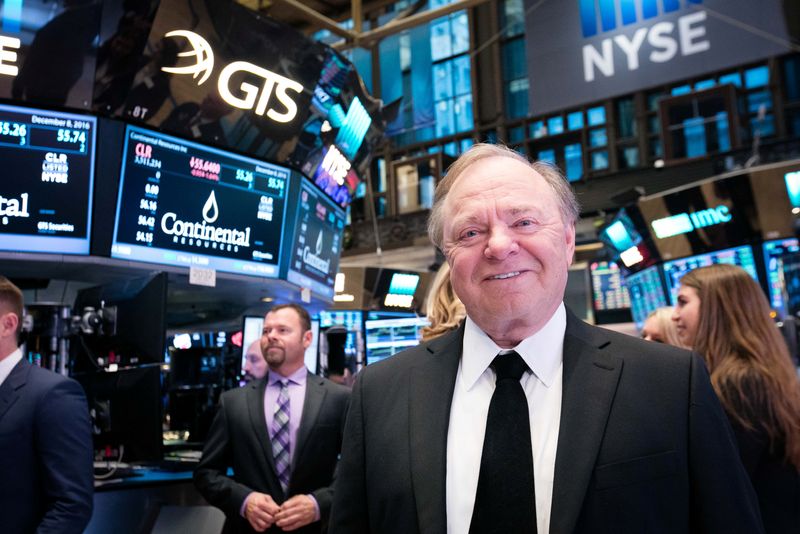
(313, 260)
(646, 293)
(774, 251)
(350, 319)
(608, 288)
(387, 337)
(48, 175)
(675, 269)
(185, 204)
(621, 234)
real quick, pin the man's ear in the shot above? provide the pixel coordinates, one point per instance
(9, 322)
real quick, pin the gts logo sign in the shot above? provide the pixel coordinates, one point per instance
(248, 95)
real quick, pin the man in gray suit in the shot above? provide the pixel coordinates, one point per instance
(281, 435)
(525, 419)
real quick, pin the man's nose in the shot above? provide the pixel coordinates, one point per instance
(502, 242)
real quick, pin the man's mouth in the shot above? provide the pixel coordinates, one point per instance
(505, 275)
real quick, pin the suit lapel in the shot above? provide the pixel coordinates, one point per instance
(315, 395)
(8, 390)
(255, 408)
(589, 383)
(432, 381)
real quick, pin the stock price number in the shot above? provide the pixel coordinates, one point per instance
(151, 190)
(149, 205)
(276, 183)
(144, 237)
(13, 132)
(244, 176)
(148, 221)
(203, 165)
(72, 137)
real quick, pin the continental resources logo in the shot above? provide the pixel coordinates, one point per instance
(630, 12)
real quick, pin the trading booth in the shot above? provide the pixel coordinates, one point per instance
(151, 139)
(749, 217)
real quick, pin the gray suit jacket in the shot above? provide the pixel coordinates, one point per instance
(644, 445)
(238, 439)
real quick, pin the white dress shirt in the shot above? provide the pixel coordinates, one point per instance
(474, 387)
(8, 363)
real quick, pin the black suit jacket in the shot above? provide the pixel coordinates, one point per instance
(45, 453)
(239, 439)
(643, 444)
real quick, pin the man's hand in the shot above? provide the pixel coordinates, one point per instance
(296, 512)
(260, 510)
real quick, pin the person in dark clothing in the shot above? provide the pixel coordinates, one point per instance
(724, 315)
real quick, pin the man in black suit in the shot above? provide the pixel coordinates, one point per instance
(526, 419)
(281, 434)
(45, 438)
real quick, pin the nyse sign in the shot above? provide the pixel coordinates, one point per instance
(245, 95)
(8, 56)
(606, 48)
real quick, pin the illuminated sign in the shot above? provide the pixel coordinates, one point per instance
(7, 57)
(792, 180)
(686, 222)
(255, 97)
(335, 164)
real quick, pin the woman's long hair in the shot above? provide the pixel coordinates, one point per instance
(748, 360)
(444, 309)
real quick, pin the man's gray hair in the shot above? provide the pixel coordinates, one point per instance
(568, 204)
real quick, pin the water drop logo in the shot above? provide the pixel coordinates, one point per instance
(210, 209)
(318, 250)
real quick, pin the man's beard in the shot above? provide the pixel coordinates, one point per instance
(275, 356)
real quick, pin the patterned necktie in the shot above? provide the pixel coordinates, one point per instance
(280, 435)
(505, 502)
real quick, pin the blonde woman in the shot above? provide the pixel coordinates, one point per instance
(660, 327)
(443, 308)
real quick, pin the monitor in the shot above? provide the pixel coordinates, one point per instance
(621, 234)
(647, 294)
(386, 337)
(313, 259)
(608, 289)
(791, 277)
(774, 251)
(126, 413)
(185, 204)
(127, 319)
(251, 331)
(675, 269)
(48, 176)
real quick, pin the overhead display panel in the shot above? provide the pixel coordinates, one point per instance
(185, 204)
(313, 259)
(606, 48)
(48, 51)
(219, 73)
(47, 180)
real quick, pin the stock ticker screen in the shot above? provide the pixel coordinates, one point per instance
(608, 288)
(646, 293)
(316, 243)
(48, 175)
(774, 252)
(185, 204)
(675, 269)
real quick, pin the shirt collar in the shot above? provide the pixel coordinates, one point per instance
(542, 351)
(298, 377)
(8, 363)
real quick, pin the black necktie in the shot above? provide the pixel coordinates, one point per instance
(505, 502)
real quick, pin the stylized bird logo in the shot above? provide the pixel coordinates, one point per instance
(200, 49)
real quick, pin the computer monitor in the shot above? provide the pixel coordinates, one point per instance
(386, 337)
(610, 300)
(675, 269)
(126, 413)
(127, 323)
(647, 294)
(774, 252)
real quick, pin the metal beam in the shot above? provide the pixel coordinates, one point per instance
(318, 18)
(357, 15)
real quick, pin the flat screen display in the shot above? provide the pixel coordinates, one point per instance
(185, 204)
(774, 251)
(608, 288)
(313, 260)
(646, 293)
(386, 337)
(47, 180)
(675, 269)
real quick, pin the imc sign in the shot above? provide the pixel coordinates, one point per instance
(605, 48)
